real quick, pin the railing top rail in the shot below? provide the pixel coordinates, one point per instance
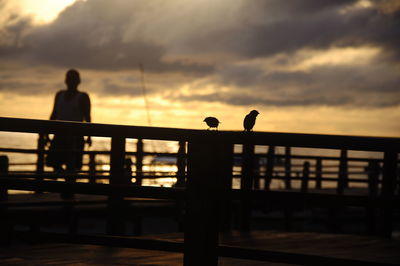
(175, 134)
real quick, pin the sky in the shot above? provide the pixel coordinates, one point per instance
(309, 66)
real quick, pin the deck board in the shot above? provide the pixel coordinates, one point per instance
(333, 245)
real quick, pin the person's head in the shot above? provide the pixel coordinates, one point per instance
(72, 79)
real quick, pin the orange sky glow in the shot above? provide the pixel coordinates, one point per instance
(346, 84)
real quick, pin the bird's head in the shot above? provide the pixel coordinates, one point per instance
(254, 113)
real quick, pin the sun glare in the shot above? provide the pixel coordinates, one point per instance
(43, 11)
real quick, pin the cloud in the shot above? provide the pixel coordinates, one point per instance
(119, 34)
(286, 28)
(257, 43)
(343, 85)
(93, 35)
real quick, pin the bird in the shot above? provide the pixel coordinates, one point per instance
(250, 120)
(211, 122)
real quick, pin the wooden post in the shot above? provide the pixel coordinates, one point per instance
(4, 163)
(388, 184)
(318, 173)
(92, 167)
(115, 224)
(256, 173)
(5, 227)
(305, 177)
(343, 175)
(139, 162)
(373, 170)
(226, 175)
(181, 164)
(288, 168)
(270, 167)
(335, 212)
(287, 208)
(40, 162)
(41, 143)
(246, 185)
(207, 174)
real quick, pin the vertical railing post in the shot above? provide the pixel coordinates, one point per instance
(115, 223)
(3, 171)
(270, 167)
(41, 143)
(305, 177)
(318, 174)
(343, 174)
(256, 173)
(181, 164)
(288, 210)
(5, 227)
(342, 183)
(92, 167)
(139, 162)
(373, 170)
(207, 159)
(226, 170)
(388, 184)
(288, 168)
(246, 184)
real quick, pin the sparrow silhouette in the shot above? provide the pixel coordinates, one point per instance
(211, 122)
(250, 120)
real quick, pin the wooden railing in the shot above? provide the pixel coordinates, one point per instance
(208, 192)
(283, 169)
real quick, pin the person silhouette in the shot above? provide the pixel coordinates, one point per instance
(69, 105)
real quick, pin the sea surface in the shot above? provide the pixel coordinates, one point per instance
(27, 162)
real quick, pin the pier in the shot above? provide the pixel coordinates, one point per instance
(352, 201)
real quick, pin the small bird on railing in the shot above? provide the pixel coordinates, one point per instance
(250, 120)
(211, 122)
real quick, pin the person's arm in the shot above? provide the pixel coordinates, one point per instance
(85, 104)
(53, 116)
(86, 113)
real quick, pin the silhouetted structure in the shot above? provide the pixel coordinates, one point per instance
(69, 105)
(211, 122)
(250, 120)
(128, 169)
(208, 193)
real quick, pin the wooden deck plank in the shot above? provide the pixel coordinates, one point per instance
(333, 245)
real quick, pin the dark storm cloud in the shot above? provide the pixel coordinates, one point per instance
(289, 26)
(119, 34)
(21, 87)
(298, 6)
(252, 100)
(175, 36)
(324, 78)
(120, 88)
(323, 85)
(93, 35)
(299, 100)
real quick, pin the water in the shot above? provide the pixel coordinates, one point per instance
(27, 162)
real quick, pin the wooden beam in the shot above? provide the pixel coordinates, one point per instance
(205, 187)
(258, 138)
